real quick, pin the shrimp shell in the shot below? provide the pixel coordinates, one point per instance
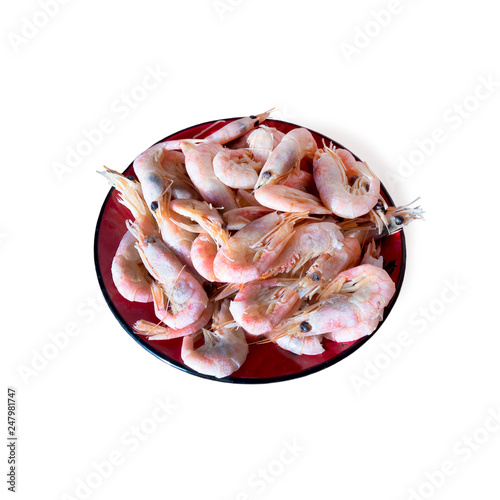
(199, 166)
(331, 169)
(225, 348)
(130, 277)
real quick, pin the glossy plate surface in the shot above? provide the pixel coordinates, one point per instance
(265, 362)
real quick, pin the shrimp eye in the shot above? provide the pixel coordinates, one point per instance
(266, 174)
(154, 206)
(150, 239)
(256, 124)
(379, 206)
(253, 117)
(305, 327)
(315, 276)
(399, 220)
(131, 178)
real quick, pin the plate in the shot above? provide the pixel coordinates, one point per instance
(265, 362)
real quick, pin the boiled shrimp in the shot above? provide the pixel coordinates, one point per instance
(294, 146)
(287, 199)
(308, 242)
(130, 276)
(237, 128)
(331, 171)
(203, 254)
(262, 141)
(251, 251)
(186, 297)
(236, 168)
(358, 295)
(327, 267)
(158, 170)
(199, 166)
(178, 239)
(225, 348)
(261, 305)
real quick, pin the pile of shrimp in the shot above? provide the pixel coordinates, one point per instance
(251, 235)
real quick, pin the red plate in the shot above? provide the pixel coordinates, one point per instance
(265, 362)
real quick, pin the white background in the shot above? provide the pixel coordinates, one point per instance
(371, 426)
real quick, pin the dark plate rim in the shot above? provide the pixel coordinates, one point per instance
(243, 380)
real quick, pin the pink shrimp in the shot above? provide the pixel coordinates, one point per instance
(130, 276)
(158, 170)
(327, 267)
(178, 239)
(186, 297)
(262, 141)
(331, 170)
(225, 348)
(308, 242)
(199, 166)
(294, 146)
(237, 128)
(254, 248)
(287, 199)
(358, 295)
(203, 253)
(236, 168)
(261, 305)
(157, 332)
